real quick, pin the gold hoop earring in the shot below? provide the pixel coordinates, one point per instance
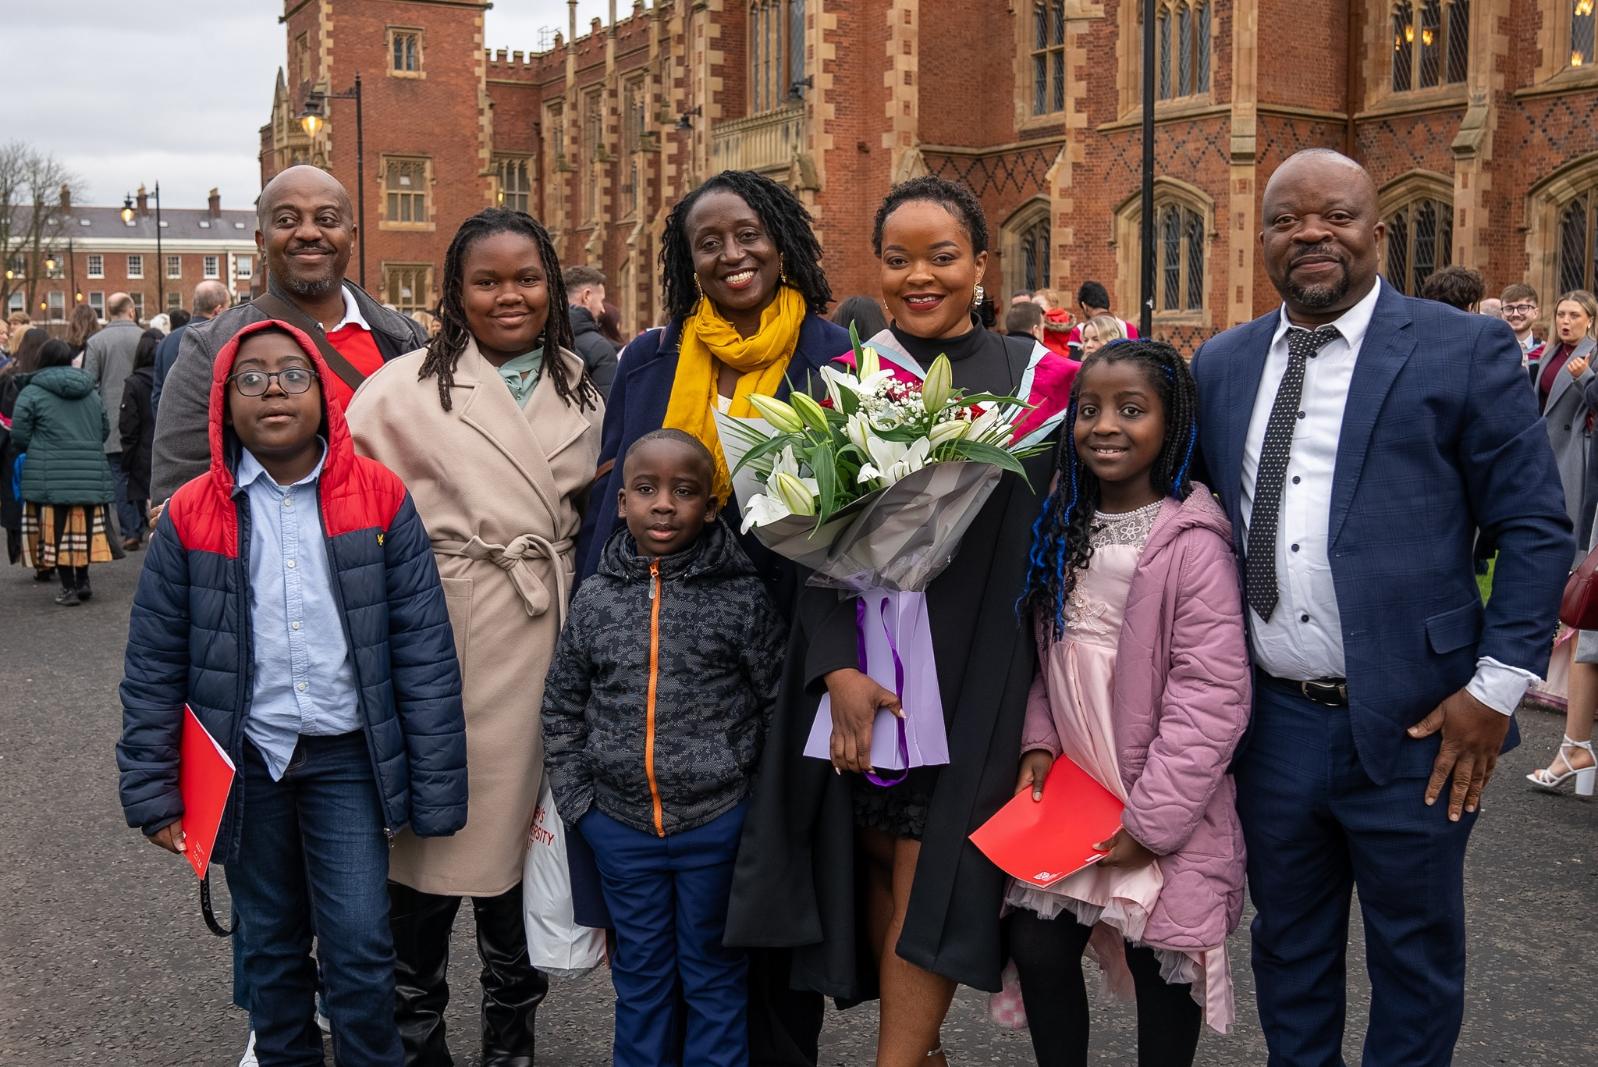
(699, 286)
(782, 271)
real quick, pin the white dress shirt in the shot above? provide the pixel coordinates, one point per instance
(352, 313)
(1303, 640)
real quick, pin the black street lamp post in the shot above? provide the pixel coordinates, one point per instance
(128, 211)
(312, 120)
(1145, 323)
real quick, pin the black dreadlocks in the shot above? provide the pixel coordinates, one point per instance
(445, 348)
(1060, 545)
(958, 199)
(785, 219)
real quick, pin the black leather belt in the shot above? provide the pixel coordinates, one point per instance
(1330, 692)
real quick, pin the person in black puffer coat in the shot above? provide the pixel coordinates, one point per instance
(136, 429)
(655, 710)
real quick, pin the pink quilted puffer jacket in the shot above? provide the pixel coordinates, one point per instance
(1182, 698)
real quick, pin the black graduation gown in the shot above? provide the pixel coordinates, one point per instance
(796, 879)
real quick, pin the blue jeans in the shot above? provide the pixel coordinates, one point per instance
(313, 857)
(1317, 827)
(132, 515)
(668, 899)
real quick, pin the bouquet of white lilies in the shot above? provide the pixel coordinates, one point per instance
(873, 490)
(874, 429)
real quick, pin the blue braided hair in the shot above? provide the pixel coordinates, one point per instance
(1060, 534)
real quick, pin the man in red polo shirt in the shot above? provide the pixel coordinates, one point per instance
(305, 231)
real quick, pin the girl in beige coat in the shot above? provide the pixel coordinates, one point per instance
(494, 428)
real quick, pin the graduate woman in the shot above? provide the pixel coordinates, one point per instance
(877, 890)
(494, 428)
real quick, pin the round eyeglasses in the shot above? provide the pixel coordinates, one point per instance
(256, 382)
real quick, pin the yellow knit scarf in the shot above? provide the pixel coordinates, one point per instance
(708, 342)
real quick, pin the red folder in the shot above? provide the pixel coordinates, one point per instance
(205, 775)
(1043, 841)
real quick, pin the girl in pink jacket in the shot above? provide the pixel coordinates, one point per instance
(1143, 681)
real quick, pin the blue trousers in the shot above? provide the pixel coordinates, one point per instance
(668, 899)
(132, 515)
(1317, 827)
(313, 857)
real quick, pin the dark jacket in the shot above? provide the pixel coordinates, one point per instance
(189, 639)
(597, 350)
(59, 423)
(637, 405)
(166, 354)
(136, 428)
(671, 746)
(180, 453)
(10, 504)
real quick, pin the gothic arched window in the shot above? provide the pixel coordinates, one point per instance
(1420, 240)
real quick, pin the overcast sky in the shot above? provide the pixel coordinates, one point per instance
(175, 90)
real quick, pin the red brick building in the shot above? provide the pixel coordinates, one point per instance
(96, 253)
(1477, 118)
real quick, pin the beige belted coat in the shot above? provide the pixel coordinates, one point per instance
(497, 488)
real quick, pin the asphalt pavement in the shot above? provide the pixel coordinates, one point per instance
(104, 958)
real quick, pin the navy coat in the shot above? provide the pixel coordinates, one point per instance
(189, 636)
(1440, 438)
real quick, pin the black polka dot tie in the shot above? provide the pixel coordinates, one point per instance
(1259, 568)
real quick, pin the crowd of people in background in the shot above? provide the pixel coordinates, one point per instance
(371, 537)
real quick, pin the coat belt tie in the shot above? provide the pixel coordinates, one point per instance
(518, 560)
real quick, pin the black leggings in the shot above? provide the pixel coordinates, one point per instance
(73, 578)
(1048, 955)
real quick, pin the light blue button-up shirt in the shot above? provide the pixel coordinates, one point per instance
(304, 680)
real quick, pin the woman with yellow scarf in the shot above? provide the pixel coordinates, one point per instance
(746, 293)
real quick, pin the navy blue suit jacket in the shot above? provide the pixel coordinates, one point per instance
(1440, 438)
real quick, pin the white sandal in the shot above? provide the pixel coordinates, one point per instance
(1586, 777)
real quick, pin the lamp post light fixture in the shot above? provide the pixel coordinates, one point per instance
(312, 120)
(1145, 322)
(128, 213)
(685, 121)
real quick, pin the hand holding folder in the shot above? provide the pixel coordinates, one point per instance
(1041, 842)
(205, 777)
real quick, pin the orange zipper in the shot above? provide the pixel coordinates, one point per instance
(655, 591)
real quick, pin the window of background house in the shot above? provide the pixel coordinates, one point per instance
(1578, 256)
(57, 303)
(633, 114)
(213, 267)
(1035, 268)
(174, 300)
(404, 51)
(1179, 235)
(97, 304)
(244, 266)
(138, 305)
(1182, 44)
(408, 285)
(135, 266)
(174, 266)
(1583, 38)
(776, 52)
(515, 186)
(1420, 240)
(1431, 43)
(96, 265)
(405, 187)
(1047, 56)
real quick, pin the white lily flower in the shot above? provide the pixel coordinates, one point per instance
(870, 364)
(892, 461)
(799, 498)
(938, 386)
(950, 430)
(989, 425)
(858, 430)
(761, 510)
(785, 462)
(836, 382)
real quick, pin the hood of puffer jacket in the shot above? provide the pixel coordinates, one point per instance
(68, 383)
(225, 443)
(715, 554)
(1199, 511)
(1058, 319)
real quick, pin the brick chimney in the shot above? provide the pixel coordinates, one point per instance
(214, 204)
(143, 201)
(66, 197)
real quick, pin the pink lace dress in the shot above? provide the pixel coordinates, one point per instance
(1080, 674)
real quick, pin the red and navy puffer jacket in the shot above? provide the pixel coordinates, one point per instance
(189, 637)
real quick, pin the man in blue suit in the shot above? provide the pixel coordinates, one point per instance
(1358, 439)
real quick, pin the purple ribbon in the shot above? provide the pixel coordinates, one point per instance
(898, 688)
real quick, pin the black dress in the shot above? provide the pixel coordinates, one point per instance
(795, 882)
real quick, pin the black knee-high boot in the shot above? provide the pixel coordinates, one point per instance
(512, 987)
(421, 923)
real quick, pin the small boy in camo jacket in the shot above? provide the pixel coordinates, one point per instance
(655, 710)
